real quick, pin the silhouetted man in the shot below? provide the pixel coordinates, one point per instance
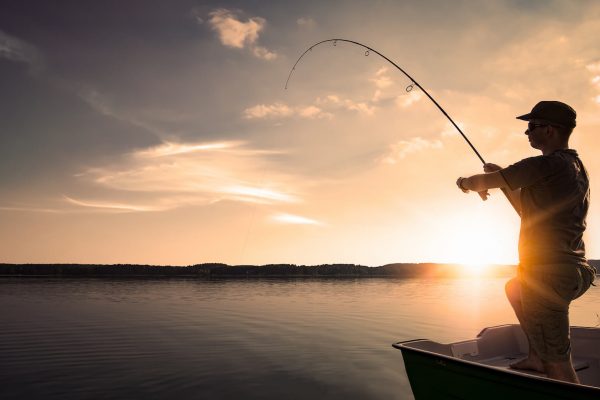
(551, 193)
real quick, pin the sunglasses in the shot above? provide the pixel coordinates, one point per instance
(531, 126)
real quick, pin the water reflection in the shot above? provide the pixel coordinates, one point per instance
(234, 338)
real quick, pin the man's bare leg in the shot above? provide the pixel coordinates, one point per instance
(533, 361)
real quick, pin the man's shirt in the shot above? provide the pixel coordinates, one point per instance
(555, 196)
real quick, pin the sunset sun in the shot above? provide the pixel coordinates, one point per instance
(479, 239)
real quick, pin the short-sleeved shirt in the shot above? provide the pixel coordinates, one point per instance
(555, 196)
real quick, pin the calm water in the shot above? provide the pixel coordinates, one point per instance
(263, 339)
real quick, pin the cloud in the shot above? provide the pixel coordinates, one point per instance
(306, 22)
(594, 68)
(280, 110)
(381, 79)
(103, 105)
(31, 209)
(174, 175)
(313, 112)
(325, 106)
(98, 102)
(450, 130)
(361, 107)
(17, 50)
(403, 148)
(262, 52)
(235, 33)
(405, 101)
(171, 149)
(114, 206)
(294, 219)
(276, 110)
(256, 193)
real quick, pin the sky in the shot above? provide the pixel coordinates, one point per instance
(161, 132)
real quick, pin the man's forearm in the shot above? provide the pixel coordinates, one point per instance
(481, 182)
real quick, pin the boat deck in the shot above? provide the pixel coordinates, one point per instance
(500, 346)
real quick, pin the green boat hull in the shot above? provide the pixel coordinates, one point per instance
(435, 376)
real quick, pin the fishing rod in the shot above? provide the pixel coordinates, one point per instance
(368, 50)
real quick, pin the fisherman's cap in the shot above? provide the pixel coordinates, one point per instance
(552, 111)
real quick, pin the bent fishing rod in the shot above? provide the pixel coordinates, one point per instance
(368, 50)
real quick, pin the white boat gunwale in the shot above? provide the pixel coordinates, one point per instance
(402, 345)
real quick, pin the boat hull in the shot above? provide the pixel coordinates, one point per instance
(480, 368)
(438, 377)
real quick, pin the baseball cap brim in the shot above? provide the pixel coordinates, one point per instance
(526, 117)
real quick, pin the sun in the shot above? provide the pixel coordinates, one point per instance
(478, 241)
(475, 269)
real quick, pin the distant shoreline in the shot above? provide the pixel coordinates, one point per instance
(218, 270)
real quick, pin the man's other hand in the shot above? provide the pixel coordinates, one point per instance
(489, 167)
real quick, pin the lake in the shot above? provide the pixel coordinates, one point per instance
(224, 339)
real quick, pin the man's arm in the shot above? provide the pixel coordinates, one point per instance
(481, 182)
(492, 180)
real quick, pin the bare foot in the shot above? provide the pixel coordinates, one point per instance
(529, 363)
(563, 371)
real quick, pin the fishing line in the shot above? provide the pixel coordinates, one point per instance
(409, 88)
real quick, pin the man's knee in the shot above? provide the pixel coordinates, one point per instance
(513, 290)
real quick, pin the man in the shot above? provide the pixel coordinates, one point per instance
(551, 194)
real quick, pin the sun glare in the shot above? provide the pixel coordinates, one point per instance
(477, 242)
(474, 269)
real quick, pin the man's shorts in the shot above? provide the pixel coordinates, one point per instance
(546, 292)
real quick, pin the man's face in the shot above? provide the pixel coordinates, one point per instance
(537, 132)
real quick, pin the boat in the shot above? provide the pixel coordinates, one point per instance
(479, 368)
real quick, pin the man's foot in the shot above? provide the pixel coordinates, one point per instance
(563, 371)
(530, 364)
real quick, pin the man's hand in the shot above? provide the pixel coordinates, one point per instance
(460, 183)
(489, 167)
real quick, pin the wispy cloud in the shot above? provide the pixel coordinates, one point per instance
(323, 107)
(264, 53)
(104, 105)
(170, 149)
(119, 207)
(294, 219)
(336, 102)
(327, 106)
(32, 209)
(407, 100)
(450, 130)
(403, 148)
(235, 33)
(594, 68)
(306, 22)
(381, 78)
(17, 50)
(276, 110)
(173, 175)
(280, 110)
(313, 112)
(254, 194)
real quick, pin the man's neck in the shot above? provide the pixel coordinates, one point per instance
(551, 149)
